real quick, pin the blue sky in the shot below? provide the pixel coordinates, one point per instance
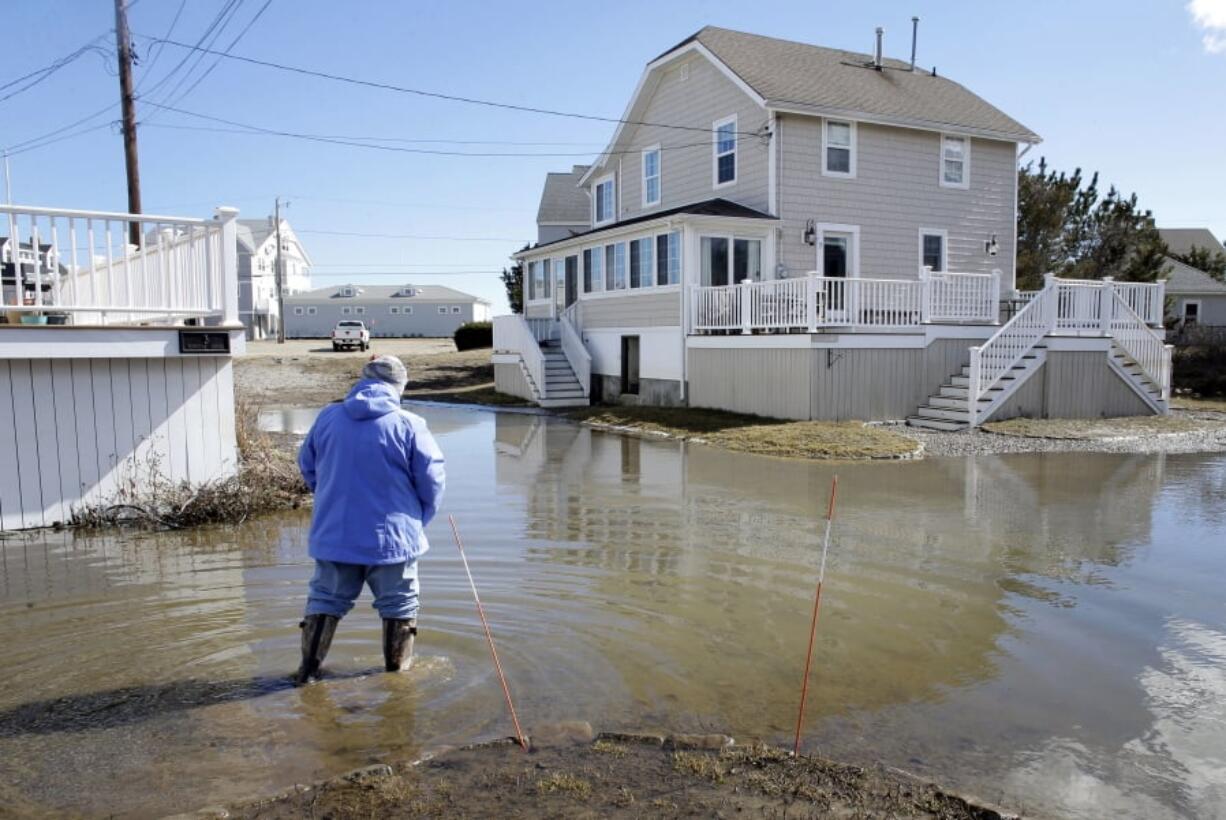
(1136, 91)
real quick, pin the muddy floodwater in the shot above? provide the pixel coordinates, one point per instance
(1045, 631)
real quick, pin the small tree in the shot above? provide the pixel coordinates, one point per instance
(513, 281)
(1068, 229)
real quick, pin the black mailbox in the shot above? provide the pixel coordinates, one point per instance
(204, 341)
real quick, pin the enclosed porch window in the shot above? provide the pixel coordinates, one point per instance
(729, 260)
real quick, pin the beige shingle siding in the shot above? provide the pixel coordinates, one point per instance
(686, 173)
(790, 73)
(895, 192)
(632, 310)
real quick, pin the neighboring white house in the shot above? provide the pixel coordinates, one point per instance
(115, 360)
(387, 310)
(257, 272)
(1195, 297)
(803, 232)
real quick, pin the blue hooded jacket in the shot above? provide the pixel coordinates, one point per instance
(377, 475)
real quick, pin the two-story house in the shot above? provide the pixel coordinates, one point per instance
(257, 273)
(803, 232)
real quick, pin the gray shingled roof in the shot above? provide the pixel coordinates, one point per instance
(1181, 240)
(376, 293)
(1182, 278)
(563, 200)
(787, 73)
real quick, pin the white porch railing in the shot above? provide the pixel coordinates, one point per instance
(576, 352)
(1008, 346)
(1142, 343)
(82, 267)
(805, 304)
(513, 334)
(1146, 299)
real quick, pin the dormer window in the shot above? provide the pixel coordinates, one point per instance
(348, 291)
(604, 201)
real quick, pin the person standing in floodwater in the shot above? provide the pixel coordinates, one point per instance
(377, 475)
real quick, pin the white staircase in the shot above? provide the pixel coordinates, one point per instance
(1002, 364)
(562, 385)
(948, 408)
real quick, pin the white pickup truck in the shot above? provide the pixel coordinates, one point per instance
(349, 333)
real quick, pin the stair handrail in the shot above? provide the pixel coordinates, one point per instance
(1142, 343)
(1010, 344)
(576, 352)
(522, 340)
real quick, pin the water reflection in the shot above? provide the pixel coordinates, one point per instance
(1042, 630)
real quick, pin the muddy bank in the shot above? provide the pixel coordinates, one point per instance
(569, 774)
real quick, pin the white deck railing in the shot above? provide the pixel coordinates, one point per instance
(1145, 298)
(513, 334)
(1008, 346)
(806, 304)
(83, 267)
(1142, 343)
(576, 352)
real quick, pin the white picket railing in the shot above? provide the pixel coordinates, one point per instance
(83, 267)
(513, 334)
(576, 352)
(962, 297)
(805, 304)
(1145, 298)
(1142, 343)
(1008, 346)
(1078, 306)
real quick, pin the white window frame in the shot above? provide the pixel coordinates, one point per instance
(653, 149)
(359, 310)
(715, 154)
(1183, 310)
(310, 310)
(966, 163)
(393, 310)
(442, 309)
(851, 159)
(406, 310)
(944, 234)
(298, 311)
(610, 179)
(347, 292)
(824, 228)
(346, 310)
(456, 309)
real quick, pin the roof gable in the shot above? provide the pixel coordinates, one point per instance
(1183, 278)
(1182, 240)
(563, 201)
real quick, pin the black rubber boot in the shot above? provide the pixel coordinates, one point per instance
(398, 638)
(317, 632)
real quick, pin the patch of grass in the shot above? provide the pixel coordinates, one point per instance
(477, 394)
(564, 783)
(1096, 429)
(708, 767)
(608, 748)
(755, 434)
(1191, 403)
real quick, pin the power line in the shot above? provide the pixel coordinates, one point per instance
(436, 94)
(47, 71)
(411, 236)
(354, 142)
(153, 61)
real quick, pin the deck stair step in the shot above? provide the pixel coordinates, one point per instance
(946, 425)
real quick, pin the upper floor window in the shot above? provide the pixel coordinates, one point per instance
(651, 176)
(839, 148)
(955, 162)
(724, 156)
(668, 258)
(346, 291)
(456, 309)
(604, 202)
(933, 249)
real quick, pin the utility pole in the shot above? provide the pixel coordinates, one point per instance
(279, 280)
(127, 99)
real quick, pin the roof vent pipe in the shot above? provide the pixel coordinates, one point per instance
(914, 38)
(877, 52)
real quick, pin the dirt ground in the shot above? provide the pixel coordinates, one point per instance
(307, 372)
(619, 776)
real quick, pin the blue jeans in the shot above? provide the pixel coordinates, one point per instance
(335, 586)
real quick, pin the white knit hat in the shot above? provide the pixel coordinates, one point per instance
(387, 369)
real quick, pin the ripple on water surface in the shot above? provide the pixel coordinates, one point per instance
(1042, 630)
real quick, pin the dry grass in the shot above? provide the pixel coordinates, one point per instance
(1196, 404)
(267, 479)
(699, 764)
(1096, 429)
(755, 434)
(564, 783)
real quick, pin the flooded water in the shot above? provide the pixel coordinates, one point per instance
(1046, 631)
